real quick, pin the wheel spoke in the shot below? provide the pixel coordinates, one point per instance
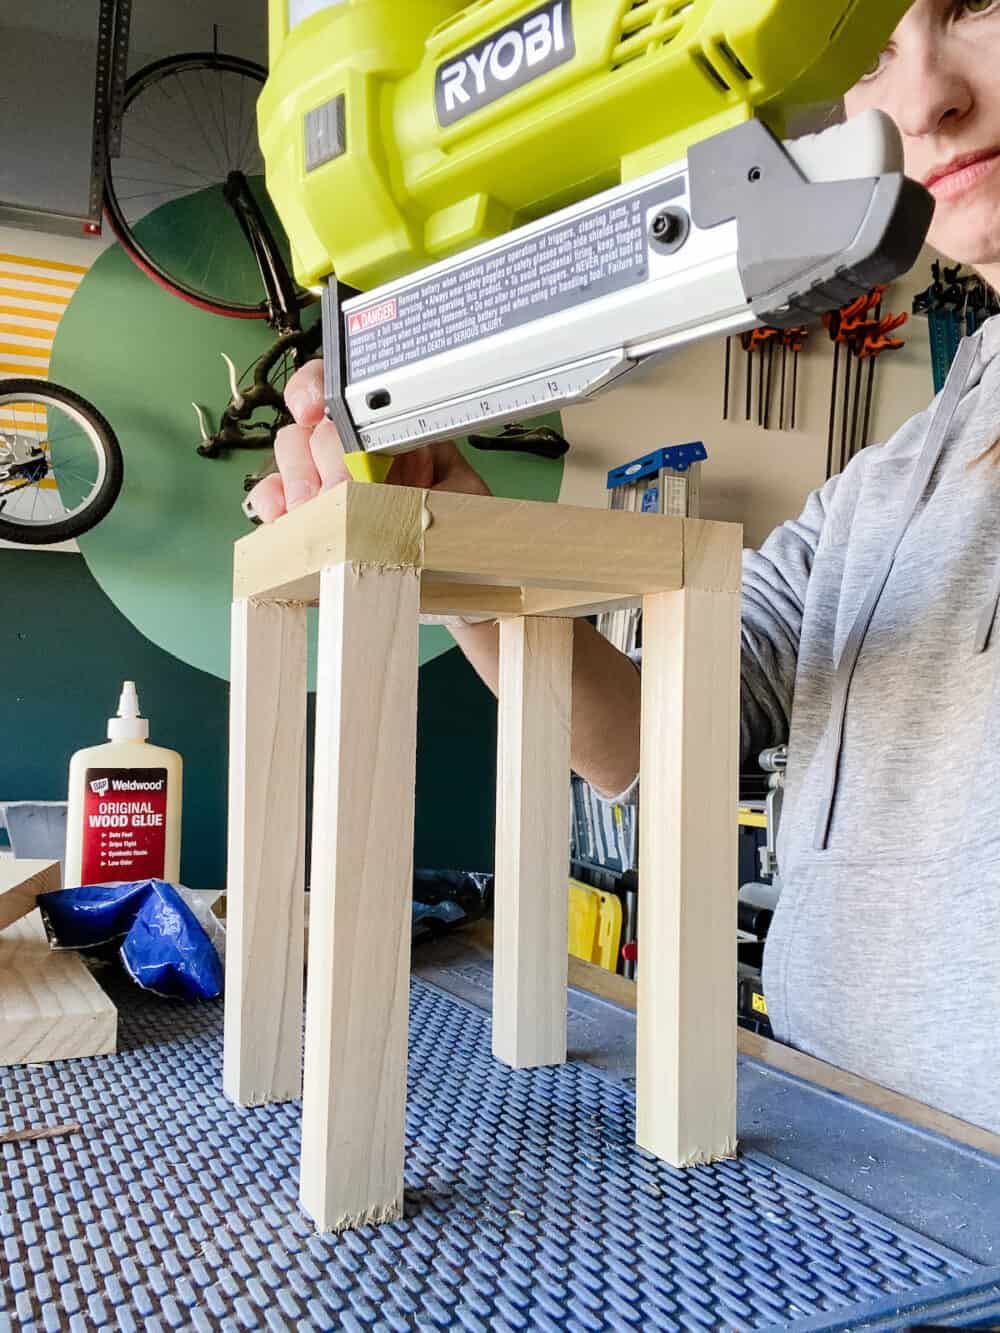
(165, 157)
(201, 128)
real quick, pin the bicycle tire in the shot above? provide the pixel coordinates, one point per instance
(144, 79)
(46, 534)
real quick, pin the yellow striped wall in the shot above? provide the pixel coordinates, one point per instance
(33, 295)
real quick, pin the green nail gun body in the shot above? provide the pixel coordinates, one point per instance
(509, 204)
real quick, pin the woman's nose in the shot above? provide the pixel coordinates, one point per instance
(935, 90)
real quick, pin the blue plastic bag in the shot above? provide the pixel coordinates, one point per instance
(164, 947)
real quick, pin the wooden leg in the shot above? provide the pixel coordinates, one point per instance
(266, 889)
(354, 1096)
(532, 842)
(686, 1056)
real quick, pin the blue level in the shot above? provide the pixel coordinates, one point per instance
(676, 457)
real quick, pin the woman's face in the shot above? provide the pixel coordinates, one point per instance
(939, 79)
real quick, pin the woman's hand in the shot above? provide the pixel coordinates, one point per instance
(310, 456)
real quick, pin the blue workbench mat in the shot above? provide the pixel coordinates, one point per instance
(527, 1206)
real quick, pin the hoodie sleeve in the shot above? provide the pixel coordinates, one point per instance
(775, 582)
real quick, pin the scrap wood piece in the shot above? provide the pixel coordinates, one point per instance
(35, 1132)
(51, 1007)
(21, 881)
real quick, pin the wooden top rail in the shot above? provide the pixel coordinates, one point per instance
(527, 557)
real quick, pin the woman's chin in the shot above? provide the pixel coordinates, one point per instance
(967, 233)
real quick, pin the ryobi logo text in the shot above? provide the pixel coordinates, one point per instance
(524, 50)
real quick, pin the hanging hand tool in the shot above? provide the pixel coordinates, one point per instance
(875, 345)
(784, 380)
(954, 303)
(871, 374)
(726, 379)
(761, 339)
(857, 343)
(746, 342)
(771, 349)
(842, 326)
(832, 323)
(795, 340)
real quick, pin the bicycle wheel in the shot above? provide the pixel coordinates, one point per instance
(187, 122)
(61, 466)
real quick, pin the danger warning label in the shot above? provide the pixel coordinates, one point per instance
(601, 250)
(362, 320)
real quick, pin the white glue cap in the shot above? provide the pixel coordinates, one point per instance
(128, 725)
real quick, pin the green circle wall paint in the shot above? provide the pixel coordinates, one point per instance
(164, 554)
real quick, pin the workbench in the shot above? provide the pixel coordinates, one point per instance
(528, 1204)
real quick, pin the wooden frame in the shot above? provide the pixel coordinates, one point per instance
(51, 1007)
(374, 557)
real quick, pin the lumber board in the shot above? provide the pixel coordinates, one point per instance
(354, 1093)
(21, 881)
(540, 544)
(713, 555)
(845, 1084)
(464, 538)
(266, 854)
(438, 596)
(576, 602)
(51, 1008)
(362, 522)
(532, 842)
(686, 1028)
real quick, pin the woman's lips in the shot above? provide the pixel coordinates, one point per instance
(962, 178)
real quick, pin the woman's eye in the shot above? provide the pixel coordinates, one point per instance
(976, 6)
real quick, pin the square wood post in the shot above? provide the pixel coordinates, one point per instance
(354, 1096)
(266, 872)
(532, 842)
(686, 1033)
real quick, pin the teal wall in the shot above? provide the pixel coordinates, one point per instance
(65, 649)
(164, 554)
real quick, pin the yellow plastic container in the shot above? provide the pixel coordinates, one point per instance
(595, 925)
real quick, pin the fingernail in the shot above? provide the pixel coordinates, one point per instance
(298, 492)
(297, 402)
(304, 396)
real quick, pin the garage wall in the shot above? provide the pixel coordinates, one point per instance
(755, 477)
(51, 45)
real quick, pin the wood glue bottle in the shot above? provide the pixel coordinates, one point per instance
(124, 816)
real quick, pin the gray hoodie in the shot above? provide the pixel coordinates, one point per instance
(882, 675)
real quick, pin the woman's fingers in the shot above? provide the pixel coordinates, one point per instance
(328, 455)
(304, 394)
(267, 498)
(299, 474)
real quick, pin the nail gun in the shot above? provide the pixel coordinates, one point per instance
(509, 204)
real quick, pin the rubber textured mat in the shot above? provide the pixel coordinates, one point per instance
(528, 1206)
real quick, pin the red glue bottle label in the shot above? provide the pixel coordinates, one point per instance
(124, 824)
